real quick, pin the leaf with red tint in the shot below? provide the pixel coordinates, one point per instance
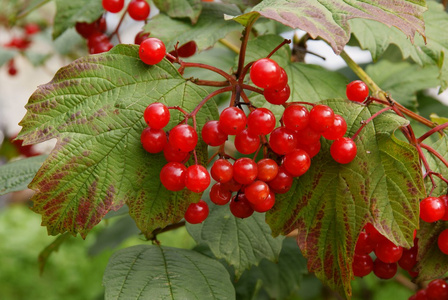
(332, 202)
(94, 107)
(328, 19)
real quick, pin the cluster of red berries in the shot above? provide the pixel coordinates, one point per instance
(138, 10)
(21, 43)
(436, 290)
(97, 40)
(433, 209)
(388, 255)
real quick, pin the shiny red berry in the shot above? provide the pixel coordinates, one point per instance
(311, 149)
(219, 194)
(265, 73)
(187, 49)
(364, 245)
(343, 150)
(113, 6)
(337, 130)
(297, 162)
(222, 170)
(240, 207)
(267, 169)
(282, 140)
(264, 206)
(282, 182)
(172, 176)
(197, 178)
(362, 265)
(261, 121)
(153, 140)
(246, 143)
(432, 209)
(232, 121)
(277, 96)
(307, 136)
(157, 115)
(140, 37)
(296, 117)
(152, 51)
(384, 270)
(442, 241)
(197, 212)
(388, 252)
(212, 135)
(173, 154)
(256, 192)
(183, 137)
(357, 91)
(444, 198)
(409, 258)
(245, 170)
(437, 290)
(138, 10)
(321, 118)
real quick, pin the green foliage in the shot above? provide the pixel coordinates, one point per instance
(221, 231)
(15, 176)
(180, 8)
(157, 272)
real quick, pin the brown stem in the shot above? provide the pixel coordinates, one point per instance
(207, 67)
(209, 82)
(115, 32)
(406, 282)
(243, 48)
(435, 153)
(211, 95)
(432, 131)
(364, 123)
(167, 228)
(252, 88)
(278, 47)
(244, 72)
(285, 105)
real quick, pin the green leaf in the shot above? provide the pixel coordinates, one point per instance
(428, 105)
(70, 12)
(403, 79)
(328, 19)
(279, 279)
(31, 6)
(431, 262)
(209, 28)
(440, 144)
(332, 202)
(15, 176)
(241, 242)
(154, 272)
(377, 37)
(94, 107)
(180, 8)
(6, 55)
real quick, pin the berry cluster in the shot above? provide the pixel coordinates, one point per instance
(388, 255)
(436, 290)
(21, 43)
(433, 209)
(97, 40)
(287, 149)
(138, 9)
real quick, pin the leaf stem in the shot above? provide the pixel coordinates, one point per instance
(432, 131)
(209, 96)
(230, 46)
(207, 67)
(435, 153)
(364, 123)
(285, 41)
(243, 48)
(361, 73)
(165, 229)
(115, 32)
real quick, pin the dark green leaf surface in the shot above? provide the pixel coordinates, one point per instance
(377, 37)
(15, 176)
(241, 242)
(180, 8)
(209, 28)
(332, 202)
(328, 19)
(154, 272)
(94, 107)
(70, 12)
(403, 80)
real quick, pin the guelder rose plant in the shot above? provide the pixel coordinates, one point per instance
(213, 121)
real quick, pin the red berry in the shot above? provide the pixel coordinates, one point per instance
(408, 259)
(219, 194)
(282, 140)
(101, 47)
(282, 81)
(337, 130)
(197, 178)
(442, 241)
(362, 265)
(246, 143)
(152, 51)
(261, 121)
(153, 140)
(388, 252)
(232, 185)
(357, 91)
(157, 115)
(282, 182)
(187, 49)
(183, 137)
(138, 10)
(444, 199)
(245, 170)
(113, 6)
(384, 270)
(296, 162)
(197, 212)
(97, 38)
(307, 136)
(256, 192)
(232, 121)
(374, 235)
(420, 295)
(321, 117)
(212, 135)
(140, 37)
(277, 96)
(296, 117)
(12, 70)
(240, 207)
(172, 176)
(343, 150)
(265, 205)
(222, 170)
(265, 73)
(437, 290)
(312, 149)
(31, 28)
(86, 29)
(432, 209)
(364, 245)
(173, 154)
(267, 169)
